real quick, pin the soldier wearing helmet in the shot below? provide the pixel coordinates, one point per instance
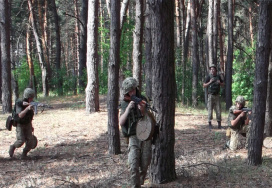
(213, 83)
(238, 121)
(23, 118)
(139, 156)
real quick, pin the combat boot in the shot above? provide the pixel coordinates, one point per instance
(11, 150)
(219, 125)
(210, 125)
(24, 154)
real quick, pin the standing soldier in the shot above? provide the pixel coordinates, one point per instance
(23, 117)
(139, 156)
(213, 82)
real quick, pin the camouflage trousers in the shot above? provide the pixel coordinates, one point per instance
(234, 136)
(214, 103)
(24, 135)
(139, 158)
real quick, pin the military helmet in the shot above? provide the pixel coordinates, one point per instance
(241, 100)
(213, 65)
(129, 84)
(29, 93)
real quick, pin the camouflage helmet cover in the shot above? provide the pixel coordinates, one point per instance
(213, 65)
(240, 100)
(29, 93)
(129, 84)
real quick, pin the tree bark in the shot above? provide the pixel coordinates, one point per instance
(221, 44)
(229, 56)
(195, 57)
(137, 43)
(5, 56)
(39, 49)
(82, 45)
(58, 48)
(29, 58)
(163, 89)
(215, 31)
(268, 113)
(113, 79)
(92, 89)
(185, 51)
(124, 8)
(178, 25)
(148, 56)
(260, 85)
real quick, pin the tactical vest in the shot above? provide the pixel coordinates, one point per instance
(129, 128)
(214, 87)
(27, 118)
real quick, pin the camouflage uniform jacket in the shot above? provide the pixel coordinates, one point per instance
(134, 116)
(214, 87)
(232, 116)
(19, 108)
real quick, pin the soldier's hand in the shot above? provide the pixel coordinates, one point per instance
(211, 81)
(30, 107)
(25, 103)
(131, 105)
(243, 114)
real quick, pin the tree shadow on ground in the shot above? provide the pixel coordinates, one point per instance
(201, 161)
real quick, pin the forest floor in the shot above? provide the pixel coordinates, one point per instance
(72, 152)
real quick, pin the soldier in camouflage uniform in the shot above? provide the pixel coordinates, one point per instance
(213, 82)
(238, 121)
(23, 117)
(139, 156)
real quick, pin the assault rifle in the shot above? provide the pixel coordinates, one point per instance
(139, 101)
(246, 110)
(41, 105)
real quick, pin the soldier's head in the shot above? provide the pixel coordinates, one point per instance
(240, 102)
(129, 86)
(213, 69)
(29, 94)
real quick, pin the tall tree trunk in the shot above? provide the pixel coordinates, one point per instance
(92, 89)
(210, 34)
(39, 49)
(255, 142)
(29, 58)
(113, 79)
(178, 17)
(137, 43)
(195, 57)
(44, 32)
(185, 51)
(221, 44)
(148, 55)
(76, 55)
(5, 56)
(82, 45)
(182, 30)
(58, 48)
(251, 27)
(163, 89)
(268, 113)
(124, 8)
(229, 55)
(215, 31)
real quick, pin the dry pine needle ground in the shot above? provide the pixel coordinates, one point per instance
(72, 151)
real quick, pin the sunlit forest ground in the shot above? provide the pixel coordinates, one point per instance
(72, 151)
